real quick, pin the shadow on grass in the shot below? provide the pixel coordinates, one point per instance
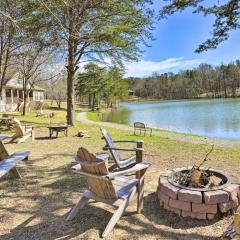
(51, 138)
(58, 228)
(53, 199)
(45, 138)
(47, 218)
(57, 108)
(53, 226)
(147, 229)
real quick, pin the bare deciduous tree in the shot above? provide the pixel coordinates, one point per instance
(9, 43)
(59, 90)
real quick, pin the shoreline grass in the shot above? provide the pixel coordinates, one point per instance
(94, 116)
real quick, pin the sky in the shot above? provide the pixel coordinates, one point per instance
(176, 38)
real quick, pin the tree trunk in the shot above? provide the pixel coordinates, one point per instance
(108, 103)
(89, 100)
(59, 103)
(93, 102)
(24, 96)
(70, 78)
(1, 91)
(70, 98)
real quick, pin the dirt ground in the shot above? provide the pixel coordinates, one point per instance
(35, 206)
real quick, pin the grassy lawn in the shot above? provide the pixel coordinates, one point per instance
(94, 116)
(35, 206)
(30, 118)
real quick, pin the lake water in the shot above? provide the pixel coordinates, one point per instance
(219, 118)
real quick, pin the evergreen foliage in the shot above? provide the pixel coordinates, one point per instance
(98, 84)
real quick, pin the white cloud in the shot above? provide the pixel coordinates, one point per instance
(142, 68)
(145, 68)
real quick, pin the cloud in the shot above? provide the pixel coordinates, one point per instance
(145, 68)
(142, 68)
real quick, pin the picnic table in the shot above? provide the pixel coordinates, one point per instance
(57, 128)
(7, 121)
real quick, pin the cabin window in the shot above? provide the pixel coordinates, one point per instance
(31, 94)
(21, 94)
(41, 95)
(20, 81)
(8, 93)
(15, 93)
(38, 96)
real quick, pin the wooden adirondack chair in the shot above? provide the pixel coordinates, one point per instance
(22, 132)
(122, 163)
(8, 162)
(109, 188)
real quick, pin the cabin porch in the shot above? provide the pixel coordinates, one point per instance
(12, 97)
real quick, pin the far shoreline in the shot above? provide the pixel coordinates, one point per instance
(178, 100)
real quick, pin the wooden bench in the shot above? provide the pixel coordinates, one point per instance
(141, 127)
(8, 162)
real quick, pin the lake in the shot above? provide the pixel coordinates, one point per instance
(218, 118)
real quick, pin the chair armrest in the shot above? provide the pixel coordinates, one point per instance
(76, 167)
(78, 159)
(123, 149)
(91, 174)
(27, 126)
(2, 138)
(128, 141)
(134, 169)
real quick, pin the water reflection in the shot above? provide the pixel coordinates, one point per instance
(121, 115)
(212, 118)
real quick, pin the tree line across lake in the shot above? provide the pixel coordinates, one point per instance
(98, 86)
(203, 81)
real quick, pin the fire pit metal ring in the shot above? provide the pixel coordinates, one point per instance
(218, 173)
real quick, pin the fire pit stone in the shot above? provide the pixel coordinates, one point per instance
(188, 195)
(217, 196)
(198, 203)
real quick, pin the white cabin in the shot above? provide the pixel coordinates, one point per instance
(12, 94)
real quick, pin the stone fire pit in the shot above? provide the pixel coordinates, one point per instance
(198, 203)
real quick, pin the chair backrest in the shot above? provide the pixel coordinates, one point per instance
(109, 142)
(19, 129)
(139, 125)
(96, 168)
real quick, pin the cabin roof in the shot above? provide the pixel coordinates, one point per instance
(15, 83)
(19, 86)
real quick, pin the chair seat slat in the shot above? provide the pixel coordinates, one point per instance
(11, 161)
